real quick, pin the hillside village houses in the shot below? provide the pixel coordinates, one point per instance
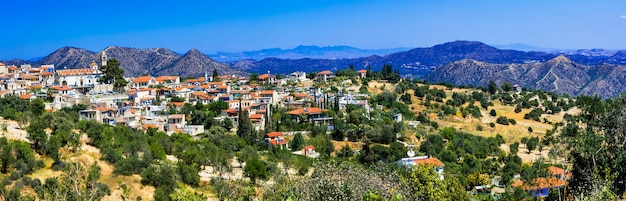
(147, 101)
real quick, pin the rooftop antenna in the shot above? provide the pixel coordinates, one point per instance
(410, 153)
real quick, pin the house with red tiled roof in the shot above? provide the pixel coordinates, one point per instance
(258, 121)
(424, 161)
(266, 78)
(324, 76)
(540, 187)
(168, 80)
(362, 73)
(268, 97)
(309, 150)
(310, 114)
(83, 77)
(276, 139)
(142, 82)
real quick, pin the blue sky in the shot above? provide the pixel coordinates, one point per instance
(36, 28)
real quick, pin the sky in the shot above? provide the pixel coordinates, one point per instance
(36, 28)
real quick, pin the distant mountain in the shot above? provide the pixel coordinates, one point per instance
(559, 74)
(195, 63)
(311, 52)
(153, 61)
(416, 62)
(526, 48)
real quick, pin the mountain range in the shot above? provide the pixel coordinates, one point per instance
(303, 51)
(559, 74)
(153, 61)
(580, 72)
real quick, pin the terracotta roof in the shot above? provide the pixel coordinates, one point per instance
(231, 110)
(142, 79)
(178, 104)
(267, 92)
(215, 83)
(313, 110)
(26, 96)
(46, 73)
(2, 64)
(4, 92)
(29, 77)
(201, 79)
(146, 126)
(301, 95)
(225, 77)
(146, 89)
(274, 134)
(166, 78)
(92, 64)
(429, 161)
(222, 87)
(256, 116)
(61, 88)
(326, 72)
(261, 111)
(147, 98)
(176, 116)
(81, 71)
(309, 147)
(539, 183)
(555, 170)
(275, 142)
(264, 76)
(362, 71)
(13, 68)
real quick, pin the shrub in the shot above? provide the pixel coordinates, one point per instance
(502, 120)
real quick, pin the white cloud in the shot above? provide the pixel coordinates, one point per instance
(623, 17)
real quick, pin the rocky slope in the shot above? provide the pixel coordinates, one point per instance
(559, 74)
(152, 61)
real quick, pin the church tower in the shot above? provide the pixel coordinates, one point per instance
(103, 59)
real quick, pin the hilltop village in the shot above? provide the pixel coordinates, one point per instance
(292, 132)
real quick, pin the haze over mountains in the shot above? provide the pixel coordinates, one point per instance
(302, 51)
(577, 72)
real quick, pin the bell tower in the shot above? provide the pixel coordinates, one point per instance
(103, 58)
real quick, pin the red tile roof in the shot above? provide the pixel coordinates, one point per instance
(166, 78)
(267, 92)
(264, 76)
(256, 116)
(178, 104)
(326, 72)
(539, 183)
(313, 110)
(429, 161)
(81, 71)
(274, 134)
(25, 96)
(362, 71)
(142, 79)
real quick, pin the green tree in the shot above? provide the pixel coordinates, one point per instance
(255, 169)
(493, 88)
(37, 134)
(113, 74)
(514, 148)
(216, 76)
(506, 86)
(532, 143)
(345, 152)
(297, 143)
(425, 184)
(36, 107)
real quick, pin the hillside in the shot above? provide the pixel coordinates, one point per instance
(559, 74)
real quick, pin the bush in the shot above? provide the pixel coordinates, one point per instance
(492, 113)
(502, 120)
(479, 128)
(512, 121)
